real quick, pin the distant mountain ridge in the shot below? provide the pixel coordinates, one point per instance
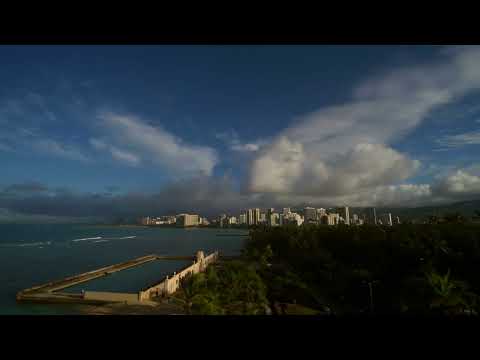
(465, 208)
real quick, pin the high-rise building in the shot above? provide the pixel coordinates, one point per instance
(250, 220)
(310, 214)
(145, 221)
(286, 211)
(256, 216)
(185, 220)
(386, 219)
(298, 218)
(274, 219)
(232, 220)
(242, 219)
(344, 213)
(371, 216)
(323, 219)
(333, 219)
(263, 218)
(397, 220)
(253, 216)
(293, 218)
(222, 220)
(355, 218)
(321, 212)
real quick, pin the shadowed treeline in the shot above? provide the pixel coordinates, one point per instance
(416, 269)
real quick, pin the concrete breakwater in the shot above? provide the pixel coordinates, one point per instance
(49, 292)
(171, 283)
(87, 276)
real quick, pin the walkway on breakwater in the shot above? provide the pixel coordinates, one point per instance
(49, 292)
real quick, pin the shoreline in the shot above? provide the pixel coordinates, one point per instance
(163, 227)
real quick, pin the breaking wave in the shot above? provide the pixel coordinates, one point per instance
(85, 239)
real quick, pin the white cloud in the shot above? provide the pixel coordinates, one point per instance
(459, 140)
(125, 156)
(156, 145)
(248, 147)
(460, 183)
(288, 167)
(55, 148)
(341, 149)
(233, 142)
(278, 169)
(118, 154)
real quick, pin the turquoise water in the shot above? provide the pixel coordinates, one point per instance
(34, 254)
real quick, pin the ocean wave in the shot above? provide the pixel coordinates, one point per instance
(127, 237)
(26, 244)
(85, 239)
(98, 241)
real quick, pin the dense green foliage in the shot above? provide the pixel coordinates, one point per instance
(230, 288)
(419, 269)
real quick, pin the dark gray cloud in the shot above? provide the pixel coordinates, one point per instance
(207, 196)
(204, 195)
(30, 187)
(210, 196)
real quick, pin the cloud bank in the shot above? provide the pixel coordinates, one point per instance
(212, 196)
(345, 150)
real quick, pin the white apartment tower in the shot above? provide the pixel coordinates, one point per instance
(250, 217)
(256, 216)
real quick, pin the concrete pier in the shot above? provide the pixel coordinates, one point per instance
(87, 276)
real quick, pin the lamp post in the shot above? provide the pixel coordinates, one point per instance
(370, 290)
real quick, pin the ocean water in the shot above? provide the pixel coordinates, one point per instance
(34, 254)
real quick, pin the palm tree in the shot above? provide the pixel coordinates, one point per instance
(190, 287)
(449, 295)
(242, 289)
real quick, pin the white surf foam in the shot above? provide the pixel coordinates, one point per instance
(39, 243)
(127, 237)
(85, 239)
(98, 241)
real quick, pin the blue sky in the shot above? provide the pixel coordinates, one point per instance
(279, 124)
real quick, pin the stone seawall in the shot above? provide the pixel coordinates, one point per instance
(171, 283)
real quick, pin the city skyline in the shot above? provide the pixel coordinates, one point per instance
(119, 131)
(270, 217)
